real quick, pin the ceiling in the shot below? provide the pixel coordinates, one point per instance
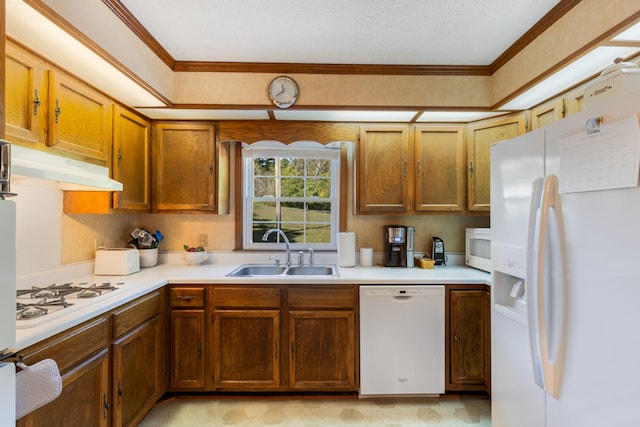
(381, 37)
(391, 32)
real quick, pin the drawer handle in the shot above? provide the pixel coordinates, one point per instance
(186, 297)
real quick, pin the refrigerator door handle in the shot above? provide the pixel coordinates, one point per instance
(550, 298)
(531, 291)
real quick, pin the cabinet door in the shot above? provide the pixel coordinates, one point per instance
(84, 400)
(137, 363)
(322, 347)
(79, 119)
(26, 98)
(184, 167)
(187, 341)
(481, 136)
(469, 341)
(246, 349)
(382, 169)
(439, 157)
(131, 153)
(547, 113)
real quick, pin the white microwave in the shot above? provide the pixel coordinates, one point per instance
(478, 248)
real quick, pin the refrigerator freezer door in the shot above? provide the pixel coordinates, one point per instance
(7, 274)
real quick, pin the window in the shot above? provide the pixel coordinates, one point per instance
(293, 188)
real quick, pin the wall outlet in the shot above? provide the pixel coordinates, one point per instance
(204, 240)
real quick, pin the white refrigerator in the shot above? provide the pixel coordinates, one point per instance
(7, 309)
(565, 222)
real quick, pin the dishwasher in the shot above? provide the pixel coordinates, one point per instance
(402, 340)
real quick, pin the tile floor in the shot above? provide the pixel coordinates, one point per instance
(387, 412)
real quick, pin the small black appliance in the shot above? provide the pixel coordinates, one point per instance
(437, 251)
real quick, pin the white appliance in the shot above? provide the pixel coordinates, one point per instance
(478, 248)
(116, 261)
(401, 340)
(565, 246)
(7, 309)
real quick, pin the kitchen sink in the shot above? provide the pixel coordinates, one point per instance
(256, 270)
(265, 270)
(312, 270)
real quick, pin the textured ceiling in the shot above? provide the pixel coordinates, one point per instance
(411, 32)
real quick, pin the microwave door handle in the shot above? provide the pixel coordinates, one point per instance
(531, 290)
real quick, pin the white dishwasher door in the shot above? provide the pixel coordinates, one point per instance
(401, 340)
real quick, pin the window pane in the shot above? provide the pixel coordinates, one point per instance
(292, 211)
(318, 233)
(292, 167)
(318, 167)
(259, 229)
(264, 211)
(295, 232)
(292, 187)
(319, 187)
(264, 166)
(263, 187)
(319, 212)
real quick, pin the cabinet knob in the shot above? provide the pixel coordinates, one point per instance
(36, 102)
(58, 111)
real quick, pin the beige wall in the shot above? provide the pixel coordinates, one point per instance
(80, 232)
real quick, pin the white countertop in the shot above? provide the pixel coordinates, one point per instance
(173, 270)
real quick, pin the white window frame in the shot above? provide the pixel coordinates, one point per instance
(302, 149)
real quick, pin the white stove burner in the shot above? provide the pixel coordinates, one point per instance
(38, 304)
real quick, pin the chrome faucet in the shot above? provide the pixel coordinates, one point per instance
(286, 242)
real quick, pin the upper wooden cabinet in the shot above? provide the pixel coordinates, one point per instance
(382, 183)
(399, 171)
(547, 113)
(481, 135)
(49, 109)
(189, 172)
(439, 168)
(79, 119)
(131, 160)
(27, 89)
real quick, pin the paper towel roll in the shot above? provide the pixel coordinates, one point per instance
(346, 249)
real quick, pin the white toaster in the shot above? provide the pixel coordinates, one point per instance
(117, 261)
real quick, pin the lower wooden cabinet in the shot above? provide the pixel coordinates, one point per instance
(246, 340)
(187, 349)
(322, 338)
(84, 400)
(263, 338)
(112, 368)
(468, 345)
(137, 365)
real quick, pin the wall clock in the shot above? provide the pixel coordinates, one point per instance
(283, 91)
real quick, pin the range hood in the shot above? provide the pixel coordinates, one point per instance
(71, 175)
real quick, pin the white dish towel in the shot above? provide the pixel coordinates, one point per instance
(36, 385)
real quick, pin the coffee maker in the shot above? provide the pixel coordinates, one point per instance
(396, 245)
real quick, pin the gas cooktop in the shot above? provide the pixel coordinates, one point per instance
(39, 304)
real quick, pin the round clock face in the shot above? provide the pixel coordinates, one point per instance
(283, 91)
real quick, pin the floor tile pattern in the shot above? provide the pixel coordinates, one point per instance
(384, 412)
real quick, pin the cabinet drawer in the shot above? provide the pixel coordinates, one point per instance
(247, 297)
(186, 297)
(72, 346)
(136, 312)
(342, 297)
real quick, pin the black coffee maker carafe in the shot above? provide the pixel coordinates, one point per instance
(395, 245)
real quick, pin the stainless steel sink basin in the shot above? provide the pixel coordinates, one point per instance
(312, 270)
(256, 270)
(270, 270)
